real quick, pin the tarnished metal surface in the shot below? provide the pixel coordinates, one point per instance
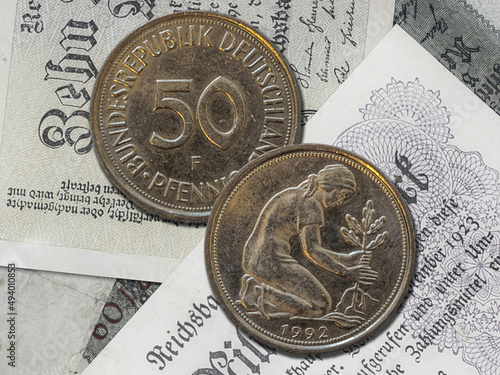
(310, 248)
(185, 101)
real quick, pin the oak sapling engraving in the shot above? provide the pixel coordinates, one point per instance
(353, 301)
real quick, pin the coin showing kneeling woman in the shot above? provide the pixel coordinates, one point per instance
(275, 285)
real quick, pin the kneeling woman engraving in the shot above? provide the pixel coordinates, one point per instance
(275, 285)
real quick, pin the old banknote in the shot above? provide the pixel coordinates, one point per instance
(59, 211)
(43, 313)
(46, 318)
(124, 300)
(436, 141)
(6, 38)
(380, 16)
(55, 310)
(459, 37)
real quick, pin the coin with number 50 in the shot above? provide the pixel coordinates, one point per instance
(183, 103)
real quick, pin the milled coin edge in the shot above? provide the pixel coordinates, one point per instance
(297, 346)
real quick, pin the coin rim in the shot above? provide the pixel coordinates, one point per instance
(406, 274)
(114, 174)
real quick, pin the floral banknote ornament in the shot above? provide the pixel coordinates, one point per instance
(406, 131)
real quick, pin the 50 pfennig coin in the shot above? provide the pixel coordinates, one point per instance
(310, 249)
(185, 101)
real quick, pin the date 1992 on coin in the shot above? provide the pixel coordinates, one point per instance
(307, 333)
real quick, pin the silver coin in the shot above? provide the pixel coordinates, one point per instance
(185, 101)
(310, 249)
